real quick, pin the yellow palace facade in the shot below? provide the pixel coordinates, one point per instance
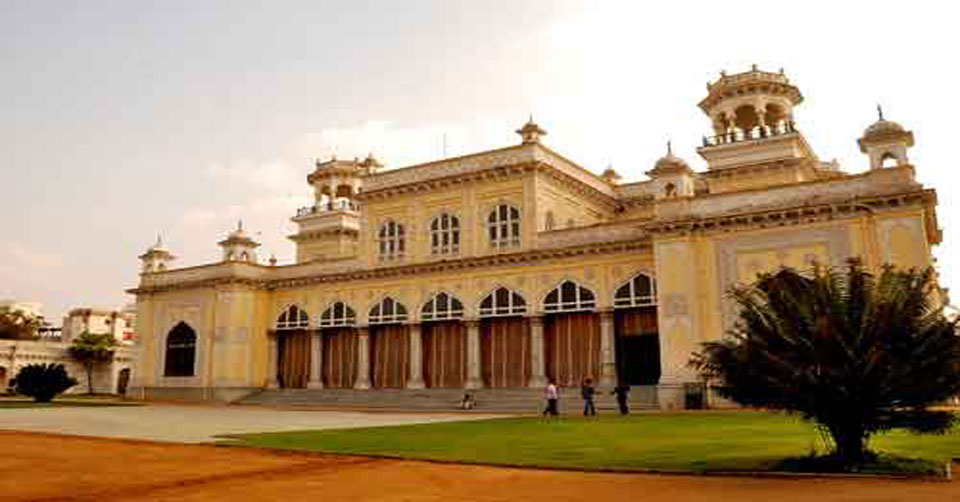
(506, 268)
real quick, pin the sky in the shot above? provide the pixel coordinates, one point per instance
(122, 120)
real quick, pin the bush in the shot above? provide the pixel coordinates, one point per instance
(43, 382)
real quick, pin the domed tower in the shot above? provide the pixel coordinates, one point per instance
(238, 246)
(156, 259)
(672, 176)
(885, 142)
(330, 227)
(752, 118)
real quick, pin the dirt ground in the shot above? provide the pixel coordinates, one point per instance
(36, 466)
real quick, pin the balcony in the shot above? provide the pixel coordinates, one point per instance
(740, 135)
(339, 206)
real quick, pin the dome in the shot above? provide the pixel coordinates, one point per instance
(882, 127)
(671, 162)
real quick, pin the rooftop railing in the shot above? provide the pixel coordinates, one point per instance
(329, 207)
(738, 135)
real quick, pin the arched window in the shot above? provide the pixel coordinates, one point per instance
(181, 351)
(338, 314)
(445, 235)
(503, 227)
(888, 160)
(568, 297)
(639, 291)
(441, 307)
(391, 239)
(293, 317)
(387, 311)
(502, 302)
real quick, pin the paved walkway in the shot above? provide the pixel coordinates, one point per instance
(197, 424)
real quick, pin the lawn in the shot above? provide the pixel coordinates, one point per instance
(703, 441)
(65, 402)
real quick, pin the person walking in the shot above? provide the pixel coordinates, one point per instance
(553, 395)
(587, 392)
(622, 391)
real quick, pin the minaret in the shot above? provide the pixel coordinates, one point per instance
(329, 229)
(672, 176)
(885, 142)
(156, 259)
(239, 247)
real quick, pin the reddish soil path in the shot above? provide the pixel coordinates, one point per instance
(49, 467)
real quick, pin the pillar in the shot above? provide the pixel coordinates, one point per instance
(415, 378)
(363, 358)
(608, 349)
(538, 376)
(474, 379)
(273, 356)
(316, 360)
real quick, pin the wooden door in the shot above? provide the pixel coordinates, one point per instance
(638, 346)
(572, 347)
(389, 355)
(339, 358)
(294, 347)
(444, 354)
(505, 352)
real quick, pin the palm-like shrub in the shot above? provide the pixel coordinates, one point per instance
(43, 382)
(853, 352)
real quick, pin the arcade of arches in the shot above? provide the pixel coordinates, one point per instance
(505, 347)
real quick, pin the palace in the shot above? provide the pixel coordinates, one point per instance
(506, 268)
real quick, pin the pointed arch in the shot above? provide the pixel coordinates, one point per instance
(293, 317)
(338, 314)
(502, 302)
(442, 306)
(569, 296)
(638, 291)
(387, 311)
(180, 352)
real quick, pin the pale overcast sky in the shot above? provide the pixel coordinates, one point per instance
(122, 119)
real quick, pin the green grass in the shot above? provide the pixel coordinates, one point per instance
(689, 442)
(62, 402)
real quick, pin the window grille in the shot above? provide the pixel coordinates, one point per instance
(293, 318)
(338, 314)
(441, 307)
(445, 235)
(639, 291)
(502, 302)
(387, 311)
(568, 297)
(503, 227)
(391, 241)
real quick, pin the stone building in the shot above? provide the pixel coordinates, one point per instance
(508, 267)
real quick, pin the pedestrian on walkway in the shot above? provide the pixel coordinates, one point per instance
(587, 392)
(553, 395)
(622, 390)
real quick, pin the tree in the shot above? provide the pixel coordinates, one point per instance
(89, 350)
(856, 353)
(17, 325)
(42, 382)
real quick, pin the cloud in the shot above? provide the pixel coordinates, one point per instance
(20, 255)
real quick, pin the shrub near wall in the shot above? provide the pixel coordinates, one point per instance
(43, 382)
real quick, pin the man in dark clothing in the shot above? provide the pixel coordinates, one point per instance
(621, 391)
(587, 391)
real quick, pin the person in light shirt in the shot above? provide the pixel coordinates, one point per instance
(553, 395)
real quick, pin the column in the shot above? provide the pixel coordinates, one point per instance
(762, 120)
(538, 377)
(273, 356)
(608, 349)
(415, 378)
(363, 358)
(474, 379)
(316, 360)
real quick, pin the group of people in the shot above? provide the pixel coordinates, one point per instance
(552, 394)
(588, 392)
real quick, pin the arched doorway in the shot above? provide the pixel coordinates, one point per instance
(504, 340)
(293, 346)
(339, 346)
(636, 331)
(444, 342)
(123, 380)
(389, 344)
(181, 352)
(571, 334)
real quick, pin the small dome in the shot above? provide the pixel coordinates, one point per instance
(882, 127)
(670, 162)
